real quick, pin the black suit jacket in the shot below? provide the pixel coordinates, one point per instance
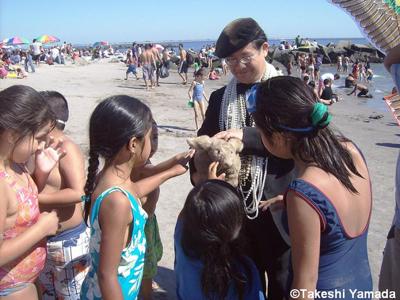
(252, 143)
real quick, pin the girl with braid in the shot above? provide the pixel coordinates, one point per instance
(329, 203)
(119, 132)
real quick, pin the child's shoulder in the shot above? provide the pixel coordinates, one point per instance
(114, 197)
(6, 188)
(70, 146)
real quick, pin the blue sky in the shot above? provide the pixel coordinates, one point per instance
(87, 21)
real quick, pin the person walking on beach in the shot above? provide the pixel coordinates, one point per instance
(135, 51)
(36, 49)
(244, 46)
(158, 63)
(131, 62)
(183, 64)
(28, 61)
(166, 58)
(196, 95)
(148, 62)
(330, 202)
(302, 63)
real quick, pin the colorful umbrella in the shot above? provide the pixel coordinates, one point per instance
(46, 39)
(101, 43)
(378, 19)
(16, 40)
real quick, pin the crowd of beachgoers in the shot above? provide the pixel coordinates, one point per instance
(299, 208)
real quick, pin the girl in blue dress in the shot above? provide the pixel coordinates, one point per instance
(119, 132)
(329, 203)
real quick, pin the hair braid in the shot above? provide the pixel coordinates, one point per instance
(90, 181)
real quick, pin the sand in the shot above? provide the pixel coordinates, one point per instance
(85, 86)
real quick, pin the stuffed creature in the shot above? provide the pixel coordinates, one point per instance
(215, 149)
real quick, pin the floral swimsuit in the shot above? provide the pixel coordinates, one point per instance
(18, 273)
(130, 268)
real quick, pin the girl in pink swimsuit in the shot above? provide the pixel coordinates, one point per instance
(25, 121)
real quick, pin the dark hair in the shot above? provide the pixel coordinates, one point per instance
(306, 77)
(213, 216)
(23, 110)
(113, 123)
(58, 105)
(192, 170)
(312, 83)
(200, 72)
(327, 81)
(287, 101)
(259, 42)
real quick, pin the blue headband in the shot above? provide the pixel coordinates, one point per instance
(317, 117)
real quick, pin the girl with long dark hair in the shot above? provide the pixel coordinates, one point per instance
(119, 132)
(209, 262)
(329, 203)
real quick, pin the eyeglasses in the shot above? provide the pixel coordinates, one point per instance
(244, 60)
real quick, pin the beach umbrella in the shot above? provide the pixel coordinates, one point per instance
(47, 39)
(378, 19)
(16, 40)
(101, 43)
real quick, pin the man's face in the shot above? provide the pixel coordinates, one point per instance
(248, 63)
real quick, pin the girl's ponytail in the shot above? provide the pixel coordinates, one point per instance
(90, 182)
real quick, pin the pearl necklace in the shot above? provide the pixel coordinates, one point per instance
(233, 115)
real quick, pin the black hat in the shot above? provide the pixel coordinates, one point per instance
(238, 34)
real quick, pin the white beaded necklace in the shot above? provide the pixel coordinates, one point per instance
(233, 115)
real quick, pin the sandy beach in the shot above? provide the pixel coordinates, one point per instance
(85, 86)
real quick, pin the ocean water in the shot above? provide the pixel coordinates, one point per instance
(197, 45)
(380, 86)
